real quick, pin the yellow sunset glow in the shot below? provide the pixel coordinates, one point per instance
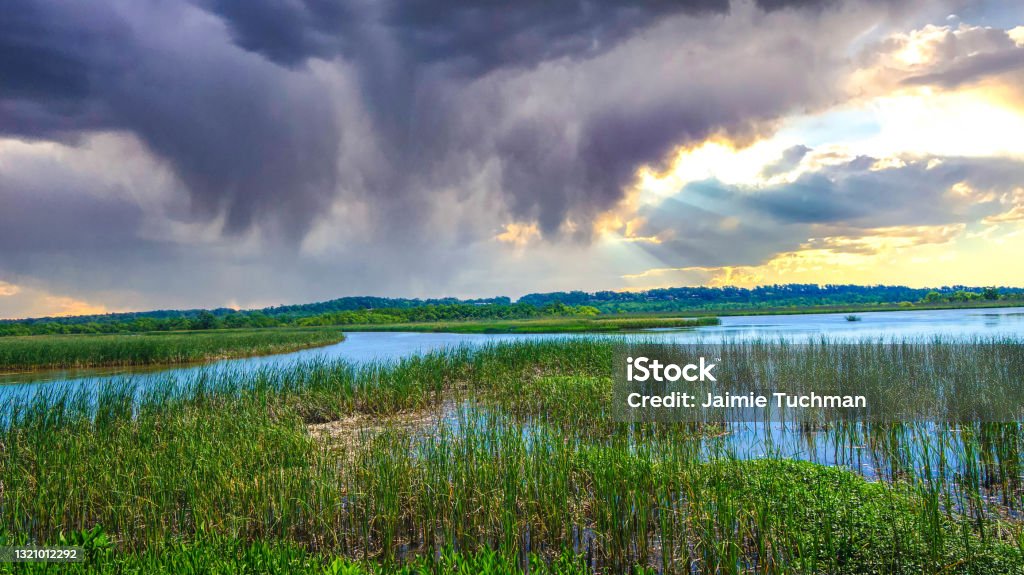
(518, 234)
(67, 306)
(715, 159)
(929, 257)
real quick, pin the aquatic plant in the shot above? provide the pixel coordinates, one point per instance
(506, 458)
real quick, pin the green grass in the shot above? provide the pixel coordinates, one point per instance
(547, 325)
(230, 556)
(72, 351)
(506, 454)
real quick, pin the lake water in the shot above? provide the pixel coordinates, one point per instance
(748, 440)
(373, 346)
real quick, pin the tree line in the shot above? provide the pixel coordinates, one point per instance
(378, 310)
(768, 296)
(206, 320)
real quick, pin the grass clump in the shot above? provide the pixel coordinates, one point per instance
(74, 351)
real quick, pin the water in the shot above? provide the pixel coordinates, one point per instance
(374, 346)
(899, 325)
(751, 440)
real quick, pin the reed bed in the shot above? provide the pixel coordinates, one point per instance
(517, 468)
(75, 351)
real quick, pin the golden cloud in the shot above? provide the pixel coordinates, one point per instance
(518, 234)
(8, 289)
(819, 259)
(877, 240)
(1015, 214)
(1017, 35)
(67, 306)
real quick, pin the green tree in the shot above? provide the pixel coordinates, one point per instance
(205, 320)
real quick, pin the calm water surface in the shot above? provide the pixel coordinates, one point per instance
(744, 440)
(374, 346)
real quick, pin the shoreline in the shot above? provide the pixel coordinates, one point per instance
(824, 310)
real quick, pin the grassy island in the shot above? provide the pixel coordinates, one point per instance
(74, 351)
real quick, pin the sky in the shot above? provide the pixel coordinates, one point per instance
(175, 154)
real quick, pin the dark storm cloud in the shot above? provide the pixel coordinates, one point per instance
(475, 36)
(244, 138)
(710, 223)
(244, 143)
(227, 98)
(287, 32)
(581, 131)
(783, 4)
(548, 174)
(413, 59)
(51, 57)
(35, 63)
(552, 174)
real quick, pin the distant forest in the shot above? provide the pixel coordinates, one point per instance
(768, 296)
(377, 310)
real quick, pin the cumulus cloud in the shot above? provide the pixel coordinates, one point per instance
(945, 56)
(858, 205)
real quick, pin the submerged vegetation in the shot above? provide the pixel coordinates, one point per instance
(506, 458)
(70, 351)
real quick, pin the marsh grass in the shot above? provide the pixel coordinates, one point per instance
(217, 555)
(521, 467)
(74, 351)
